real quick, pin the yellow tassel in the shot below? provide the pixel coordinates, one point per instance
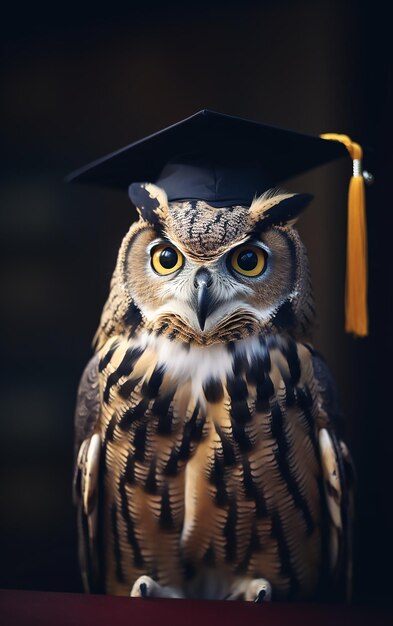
(356, 316)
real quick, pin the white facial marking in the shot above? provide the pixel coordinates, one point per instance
(183, 310)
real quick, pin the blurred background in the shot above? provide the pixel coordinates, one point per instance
(79, 83)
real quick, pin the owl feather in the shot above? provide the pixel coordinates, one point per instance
(209, 460)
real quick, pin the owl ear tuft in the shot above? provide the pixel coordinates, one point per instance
(150, 201)
(278, 209)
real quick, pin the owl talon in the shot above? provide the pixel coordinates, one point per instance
(146, 587)
(260, 597)
(143, 590)
(258, 590)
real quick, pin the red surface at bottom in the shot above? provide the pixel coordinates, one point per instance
(32, 608)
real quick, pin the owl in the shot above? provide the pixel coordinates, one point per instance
(209, 458)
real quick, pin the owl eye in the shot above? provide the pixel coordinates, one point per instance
(166, 259)
(248, 260)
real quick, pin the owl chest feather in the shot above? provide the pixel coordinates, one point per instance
(210, 462)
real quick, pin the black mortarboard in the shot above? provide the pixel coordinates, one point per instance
(209, 156)
(228, 161)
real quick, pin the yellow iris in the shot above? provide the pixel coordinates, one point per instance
(166, 259)
(248, 260)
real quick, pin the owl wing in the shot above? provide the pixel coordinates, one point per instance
(338, 479)
(87, 474)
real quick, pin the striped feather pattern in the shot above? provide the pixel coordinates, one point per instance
(221, 479)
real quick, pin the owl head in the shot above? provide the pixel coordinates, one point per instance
(200, 274)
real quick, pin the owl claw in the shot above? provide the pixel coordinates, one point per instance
(143, 590)
(260, 590)
(146, 587)
(260, 597)
(256, 590)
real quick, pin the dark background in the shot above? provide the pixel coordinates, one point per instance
(78, 83)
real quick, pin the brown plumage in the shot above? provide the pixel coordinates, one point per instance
(209, 464)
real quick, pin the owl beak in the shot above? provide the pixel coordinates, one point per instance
(202, 283)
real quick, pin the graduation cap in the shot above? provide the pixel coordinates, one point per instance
(228, 161)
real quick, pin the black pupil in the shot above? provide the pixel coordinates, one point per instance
(168, 258)
(247, 260)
